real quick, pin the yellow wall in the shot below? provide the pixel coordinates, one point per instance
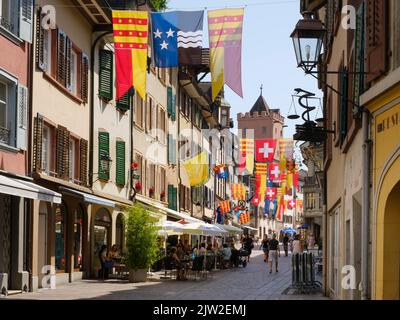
(386, 176)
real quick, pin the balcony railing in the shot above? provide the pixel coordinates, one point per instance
(4, 135)
(6, 24)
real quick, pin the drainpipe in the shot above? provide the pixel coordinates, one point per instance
(365, 205)
(91, 134)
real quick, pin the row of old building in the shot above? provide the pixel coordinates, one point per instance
(72, 159)
(355, 174)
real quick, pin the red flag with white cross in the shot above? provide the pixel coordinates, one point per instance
(265, 150)
(291, 204)
(271, 194)
(274, 172)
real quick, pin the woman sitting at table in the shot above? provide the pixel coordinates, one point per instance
(176, 263)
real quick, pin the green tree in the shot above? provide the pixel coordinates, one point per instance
(159, 5)
(141, 238)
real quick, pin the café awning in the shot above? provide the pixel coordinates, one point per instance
(87, 197)
(25, 189)
(230, 229)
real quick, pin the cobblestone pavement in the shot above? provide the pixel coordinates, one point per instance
(251, 283)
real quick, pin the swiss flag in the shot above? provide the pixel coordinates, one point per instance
(292, 204)
(256, 200)
(265, 150)
(274, 172)
(271, 194)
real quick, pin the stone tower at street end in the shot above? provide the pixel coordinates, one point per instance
(261, 123)
(267, 123)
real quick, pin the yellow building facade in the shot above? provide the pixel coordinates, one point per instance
(385, 134)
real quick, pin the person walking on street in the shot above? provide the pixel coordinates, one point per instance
(274, 253)
(248, 246)
(264, 247)
(285, 241)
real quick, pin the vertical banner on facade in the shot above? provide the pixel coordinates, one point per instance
(246, 157)
(225, 33)
(130, 42)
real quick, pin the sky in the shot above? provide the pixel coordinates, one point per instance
(268, 56)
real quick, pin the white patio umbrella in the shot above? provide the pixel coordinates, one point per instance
(169, 228)
(203, 229)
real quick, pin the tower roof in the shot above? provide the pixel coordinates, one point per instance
(260, 105)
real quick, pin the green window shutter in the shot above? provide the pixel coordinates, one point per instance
(359, 58)
(106, 81)
(120, 159)
(171, 104)
(343, 104)
(169, 148)
(169, 101)
(124, 103)
(170, 196)
(173, 114)
(104, 150)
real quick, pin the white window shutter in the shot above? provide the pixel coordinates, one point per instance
(22, 117)
(25, 20)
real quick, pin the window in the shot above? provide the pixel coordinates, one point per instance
(8, 14)
(151, 180)
(139, 111)
(106, 83)
(74, 72)
(171, 104)
(64, 62)
(120, 166)
(172, 197)
(161, 125)
(104, 154)
(139, 171)
(149, 105)
(3, 104)
(72, 155)
(162, 183)
(264, 130)
(171, 150)
(46, 149)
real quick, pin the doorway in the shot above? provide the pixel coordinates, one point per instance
(391, 249)
(102, 235)
(42, 245)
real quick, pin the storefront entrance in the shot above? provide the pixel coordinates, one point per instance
(391, 249)
(5, 238)
(102, 236)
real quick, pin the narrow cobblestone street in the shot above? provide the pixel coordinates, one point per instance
(251, 283)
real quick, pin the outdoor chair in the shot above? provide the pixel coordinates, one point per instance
(198, 270)
(170, 269)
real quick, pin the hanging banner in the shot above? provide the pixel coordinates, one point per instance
(130, 43)
(238, 191)
(225, 33)
(197, 169)
(173, 31)
(246, 160)
(274, 172)
(265, 150)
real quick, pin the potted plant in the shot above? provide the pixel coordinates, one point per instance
(141, 242)
(151, 191)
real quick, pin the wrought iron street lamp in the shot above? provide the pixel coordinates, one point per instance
(308, 37)
(105, 163)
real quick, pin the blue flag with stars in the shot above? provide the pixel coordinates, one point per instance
(173, 30)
